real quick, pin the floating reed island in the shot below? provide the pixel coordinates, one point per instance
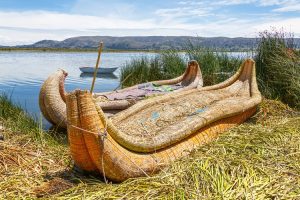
(52, 93)
(153, 133)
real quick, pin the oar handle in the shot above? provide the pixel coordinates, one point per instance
(96, 67)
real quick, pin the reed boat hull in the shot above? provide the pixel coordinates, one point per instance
(95, 147)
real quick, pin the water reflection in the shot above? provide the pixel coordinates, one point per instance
(104, 76)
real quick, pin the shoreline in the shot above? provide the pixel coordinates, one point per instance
(65, 50)
(74, 50)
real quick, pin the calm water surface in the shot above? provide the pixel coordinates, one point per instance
(22, 73)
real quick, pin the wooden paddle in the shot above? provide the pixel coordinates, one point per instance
(97, 65)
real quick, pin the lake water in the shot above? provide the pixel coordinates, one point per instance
(22, 73)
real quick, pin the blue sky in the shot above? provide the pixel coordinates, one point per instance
(27, 21)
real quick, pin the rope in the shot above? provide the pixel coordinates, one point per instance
(103, 136)
(81, 129)
(102, 139)
(102, 133)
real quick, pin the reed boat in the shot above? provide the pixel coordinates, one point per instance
(52, 94)
(153, 133)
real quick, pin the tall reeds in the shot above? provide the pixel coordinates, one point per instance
(215, 66)
(165, 65)
(278, 67)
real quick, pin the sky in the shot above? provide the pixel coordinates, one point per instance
(28, 21)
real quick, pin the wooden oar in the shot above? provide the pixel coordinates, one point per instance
(96, 67)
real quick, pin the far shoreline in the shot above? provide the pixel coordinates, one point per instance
(66, 50)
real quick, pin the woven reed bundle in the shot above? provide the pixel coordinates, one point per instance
(52, 94)
(52, 98)
(110, 157)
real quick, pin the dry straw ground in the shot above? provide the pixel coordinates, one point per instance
(258, 159)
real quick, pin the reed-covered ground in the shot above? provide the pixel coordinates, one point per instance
(256, 160)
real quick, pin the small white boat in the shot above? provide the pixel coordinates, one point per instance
(100, 70)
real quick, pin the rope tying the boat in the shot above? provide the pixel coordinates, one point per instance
(102, 133)
(102, 139)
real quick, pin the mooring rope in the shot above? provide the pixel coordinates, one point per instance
(103, 137)
(102, 133)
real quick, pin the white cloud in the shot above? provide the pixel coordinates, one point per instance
(109, 8)
(12, 36)
(290, 25)
(288, 8)
(232, 2)
(283, 5)
(186, 18)
(270, 2)
(53, 20)
(31, 26)
(183, 12)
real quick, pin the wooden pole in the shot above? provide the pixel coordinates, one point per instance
(96, 67)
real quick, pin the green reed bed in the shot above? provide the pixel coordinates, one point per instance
(165, 65)
(18, 120)
(278, 67)
(14, 116)
(215, 66)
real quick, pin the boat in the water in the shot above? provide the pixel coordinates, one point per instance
(148, 136)
(52, 93)
(106, 70)
(103, 76)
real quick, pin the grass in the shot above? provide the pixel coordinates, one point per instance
(257, 160)
(27, 153)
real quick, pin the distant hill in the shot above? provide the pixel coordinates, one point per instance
(148, 42)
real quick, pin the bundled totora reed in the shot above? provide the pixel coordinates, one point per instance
(153, 133)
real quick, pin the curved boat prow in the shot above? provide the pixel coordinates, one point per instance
(52, 98)
(92, 136)
(191, 78)
(192, 75)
